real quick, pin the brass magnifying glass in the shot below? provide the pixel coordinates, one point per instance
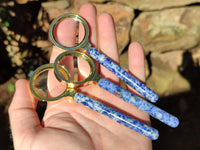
(60, 74)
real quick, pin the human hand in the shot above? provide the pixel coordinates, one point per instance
(69, 125)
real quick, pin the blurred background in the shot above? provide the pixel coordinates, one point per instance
(168, 30)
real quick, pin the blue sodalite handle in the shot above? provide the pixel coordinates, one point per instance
(123, 75)
(117, 116)
(138, 102)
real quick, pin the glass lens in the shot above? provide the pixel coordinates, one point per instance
(68, 32)
(47, 86)
(77, 66)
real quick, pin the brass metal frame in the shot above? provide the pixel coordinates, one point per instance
(93, 76)
(37, 72)
(84, 44)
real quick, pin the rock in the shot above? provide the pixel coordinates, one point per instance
(98, 1)
(75, 6)
(123, 17)
(24, 1)
(55, 8)
(43, 20)
(11, 3)
(6, 42)
(21, 1)
(24, 39)
(17, 37)
(156, 4)
(60, 4)
(167, 30)
(196, 55)
(14, 42)
(42, 43)
(165, 78)
(16, 59)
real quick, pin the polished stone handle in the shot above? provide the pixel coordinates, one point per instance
(117, 116)
(138, 102)
(123, 75)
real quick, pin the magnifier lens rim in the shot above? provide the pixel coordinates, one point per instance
(39, 71)
(83, 44)
(80, 55)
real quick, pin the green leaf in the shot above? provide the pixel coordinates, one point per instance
(6, 23)
(11, 87)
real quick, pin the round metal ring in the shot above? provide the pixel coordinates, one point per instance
(40, 70)
(84, 44)
(92, 75)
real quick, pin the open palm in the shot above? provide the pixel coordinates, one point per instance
(72, 126)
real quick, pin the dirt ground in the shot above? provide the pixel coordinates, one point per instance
(186, 106)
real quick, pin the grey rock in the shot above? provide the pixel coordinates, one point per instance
(168, 30)
(165, 78)
(156, 4)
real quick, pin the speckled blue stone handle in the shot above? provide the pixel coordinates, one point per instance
(123, 75)
(117, 116)
(138, 102)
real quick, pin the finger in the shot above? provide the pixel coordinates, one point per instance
(65, 34)
(108, 43)
(23, 117)
(89, 13)
(137, 68)
(137, 61)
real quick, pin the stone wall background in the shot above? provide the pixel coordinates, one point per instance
(168, 30)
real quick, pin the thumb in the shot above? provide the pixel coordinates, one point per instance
(24, 120)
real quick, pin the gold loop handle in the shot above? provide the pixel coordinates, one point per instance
(84, 44)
